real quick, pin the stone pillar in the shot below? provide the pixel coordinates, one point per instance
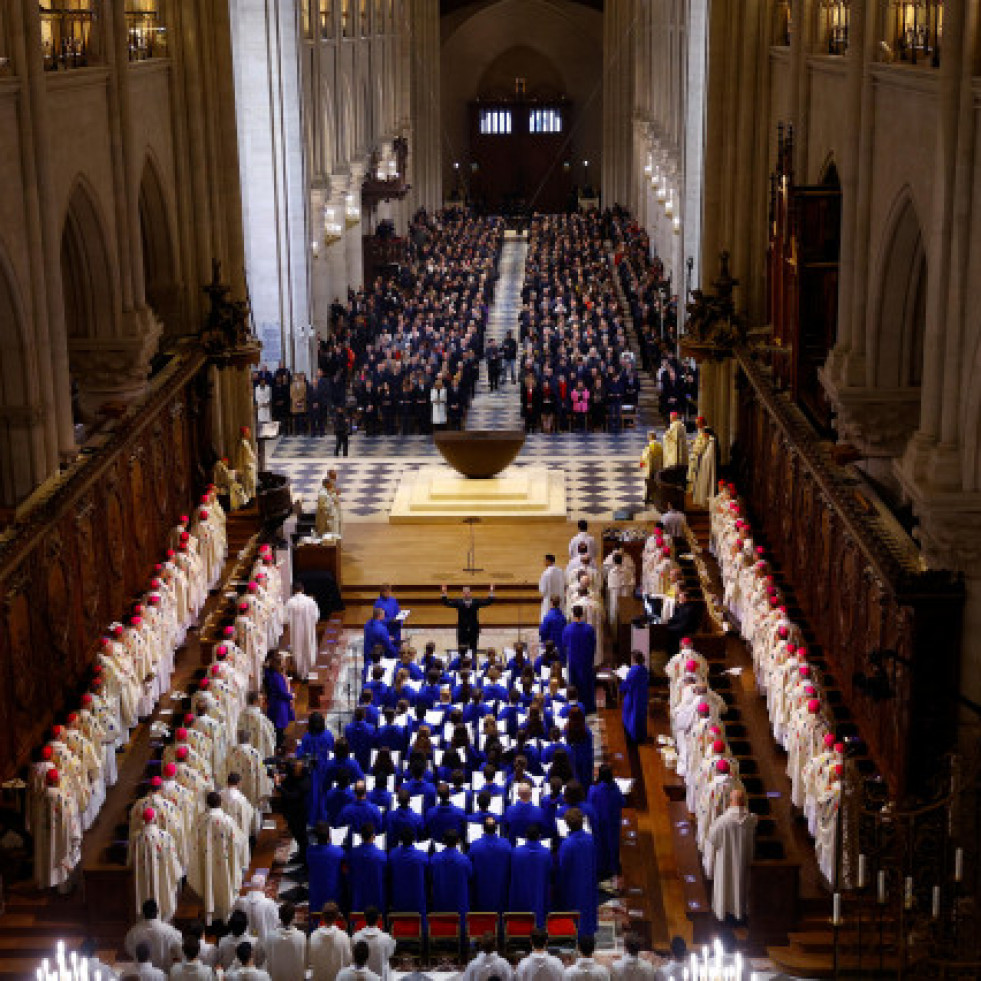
(319, 272)
(354, 231)
(716, 390)
(426, 147)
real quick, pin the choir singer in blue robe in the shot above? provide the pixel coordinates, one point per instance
(376, 633)
(576, 877)
(553, 623)
(325, 862)
(490, 856)
(579, 645)
(409, 866)
(633, 699)
(451, 874)
(367, 872)
(531, 872)
(606, 799)
(387, 602)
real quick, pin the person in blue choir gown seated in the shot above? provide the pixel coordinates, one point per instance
(386, 601)
(579, 646)
(451, 875)
(376, 634)
(553, 623)
(576, 877)
(634, 694)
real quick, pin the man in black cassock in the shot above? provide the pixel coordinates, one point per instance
(468, 621)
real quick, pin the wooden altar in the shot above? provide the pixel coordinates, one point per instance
(889, 629)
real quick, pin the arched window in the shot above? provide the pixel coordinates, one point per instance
(545, 121)
(495, 122)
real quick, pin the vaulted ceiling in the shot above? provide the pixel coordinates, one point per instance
(451, 6)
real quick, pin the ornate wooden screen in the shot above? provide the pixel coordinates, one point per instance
(858, 580)
(77, 562)
(802, 278)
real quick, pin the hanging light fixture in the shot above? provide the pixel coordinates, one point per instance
(919, 30)
(837, 15)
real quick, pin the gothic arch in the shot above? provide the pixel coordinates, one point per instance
(88, 287)
(898, 315)
(829, 173)
(18, 474)
(159, 259)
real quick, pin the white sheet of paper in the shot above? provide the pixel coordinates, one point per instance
(622, 672)
(459, 800)
(438, 846)
(496, 805)
(416, 803)
(434, 717)
(403, 615)
(423, 846)
(338, 836)
(626, 784)
(474, 831)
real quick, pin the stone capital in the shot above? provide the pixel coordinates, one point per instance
(115, 368)
(949, 532)
(879, 421)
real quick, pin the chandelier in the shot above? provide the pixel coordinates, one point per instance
(836, 17)
(919, 30)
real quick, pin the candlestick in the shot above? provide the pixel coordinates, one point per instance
(882, 887)
(863, 870)
(959, 865)
(836, 909)
(908, 892)
(935, 906)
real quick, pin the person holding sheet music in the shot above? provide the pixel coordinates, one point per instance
(634, 694)
(393, 619)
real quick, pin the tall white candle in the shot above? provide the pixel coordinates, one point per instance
(935, 906)
(882, 887)
(836, 910)
(959, 865)
(863, 871)
(908, 892)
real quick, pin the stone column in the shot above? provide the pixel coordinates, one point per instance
(426, 150)
(354, 231)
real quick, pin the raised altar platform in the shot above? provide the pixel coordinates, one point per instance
(435, 493)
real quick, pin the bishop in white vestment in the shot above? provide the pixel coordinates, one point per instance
(157, 866)
(302, 614)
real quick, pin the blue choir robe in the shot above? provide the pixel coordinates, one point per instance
(376, 634)
(371, 715)
(428, 696)
(607, 802)
(451, 872)
(421, 788)
(361, 738)
(520, 816)
(391, 737)
(381, 798)
(531, 872)
(279, 699)
(367, 877)
(551, 628)
(359, 813)
(442, 818)
(333, 802)
(576, 879)
(401, 818)
(317, 749)
(380, 692)
(490, 856)
(579, 644)
(408, 892)
(393, 626)
(633, 700)
(582, 759)
(325, 863)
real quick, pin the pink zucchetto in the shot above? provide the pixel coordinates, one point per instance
(691, 665)
(718, 746)
(721, 766)
(814, 706)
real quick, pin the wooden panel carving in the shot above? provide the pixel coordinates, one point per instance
(859, 583)
(79, 557)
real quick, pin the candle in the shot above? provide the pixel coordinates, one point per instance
(863, 870)
(908, 892)
(694, 966)
(959, 865)
(882, 887)
(935, 906)
(739, 966)
(836, 910)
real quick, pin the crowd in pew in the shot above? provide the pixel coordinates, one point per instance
(796, 701)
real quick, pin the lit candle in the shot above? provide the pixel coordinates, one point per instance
(739, 966)
(908, 892)
(882, 887)
(959, 865)
(836, 910)
(694, 966)
(935, 906)
(863, 870)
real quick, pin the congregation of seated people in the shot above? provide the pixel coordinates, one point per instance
(461, 784)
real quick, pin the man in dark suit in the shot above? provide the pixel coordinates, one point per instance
(684, 622)
(468, 621)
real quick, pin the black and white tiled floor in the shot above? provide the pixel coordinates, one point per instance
(602, 472)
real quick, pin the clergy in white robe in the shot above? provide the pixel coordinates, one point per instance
(583, 535)
(263, 402)
(593, 614)
(621, 581)
(57, 830)
(256, 725)
(550, 583)
(157, 865)
(227, 482)
(261, 911)
(302, 614)
(246, 762)
(675, 443)
(732, 837)
(246, 464)
(330, 947)
(286, 948)
(168, 816)
(235, 804)
(701, 465)
(328, 519)
(221, 856)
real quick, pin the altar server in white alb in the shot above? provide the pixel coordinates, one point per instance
(302, 614)
(550, 583)
(157, 866)
(732, 838)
